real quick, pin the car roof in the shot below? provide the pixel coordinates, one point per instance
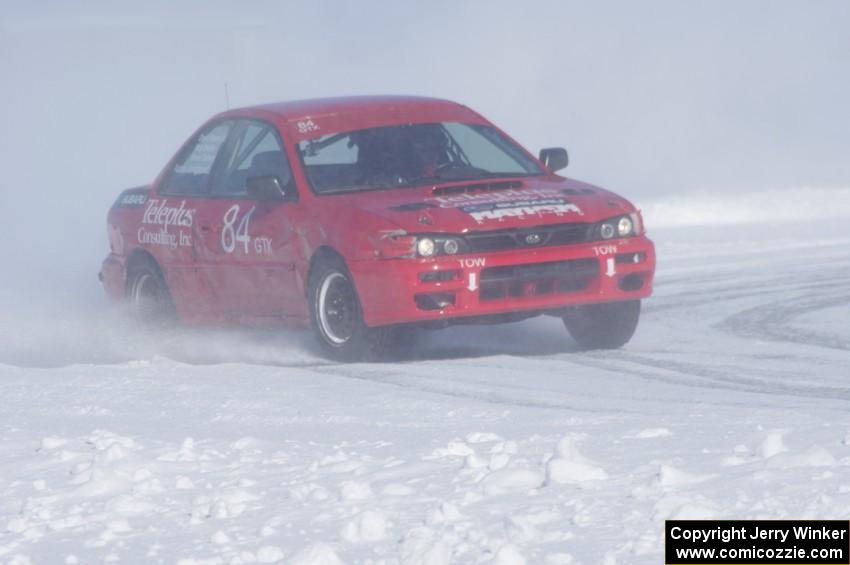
(315, 117)
(297, 109)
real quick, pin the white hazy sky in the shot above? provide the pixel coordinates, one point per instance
(650, 98)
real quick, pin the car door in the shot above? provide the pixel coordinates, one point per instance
(246, 245)
(171, 216)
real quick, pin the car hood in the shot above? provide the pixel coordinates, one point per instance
(462, 207)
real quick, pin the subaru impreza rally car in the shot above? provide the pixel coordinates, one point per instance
(362, 217)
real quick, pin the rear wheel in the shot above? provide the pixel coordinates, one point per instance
(338, 318)
(603, 326)
(147, 295)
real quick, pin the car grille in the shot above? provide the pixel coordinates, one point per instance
(537, 279)
(544, 236)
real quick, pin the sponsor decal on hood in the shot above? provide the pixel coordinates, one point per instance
(510, 204)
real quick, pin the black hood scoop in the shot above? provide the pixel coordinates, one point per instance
(413, 207)
(476, 187)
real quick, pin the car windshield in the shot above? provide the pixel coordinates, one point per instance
(411, 155)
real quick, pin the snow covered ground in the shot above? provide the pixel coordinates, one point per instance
(497, 444)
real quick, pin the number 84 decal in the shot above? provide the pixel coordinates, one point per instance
(237, 231)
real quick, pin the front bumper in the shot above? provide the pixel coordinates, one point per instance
(397, 291)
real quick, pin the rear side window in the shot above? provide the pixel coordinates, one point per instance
(191, 173)
(256, 151)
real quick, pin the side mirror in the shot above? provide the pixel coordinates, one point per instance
(265, 189)
(555, 158)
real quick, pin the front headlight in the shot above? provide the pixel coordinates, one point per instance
(451, 246)
(398, 244)
(433, 245)
(426, 247)
(621, 226)
(636, 222)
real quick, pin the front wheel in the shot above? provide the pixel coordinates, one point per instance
(338, 318)
(603, 326)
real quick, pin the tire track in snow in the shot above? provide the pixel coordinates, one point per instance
(491, 394)
(701, 376)
(774, 320)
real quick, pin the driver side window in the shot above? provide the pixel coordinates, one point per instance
(256, 151)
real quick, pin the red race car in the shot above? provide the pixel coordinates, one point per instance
(363, 217)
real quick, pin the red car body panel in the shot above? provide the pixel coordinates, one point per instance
(263, 279)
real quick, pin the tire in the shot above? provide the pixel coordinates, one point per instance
(337, 316)
(148, 297)
(609, 325)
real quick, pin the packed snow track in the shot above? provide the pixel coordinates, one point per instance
(495, 444)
